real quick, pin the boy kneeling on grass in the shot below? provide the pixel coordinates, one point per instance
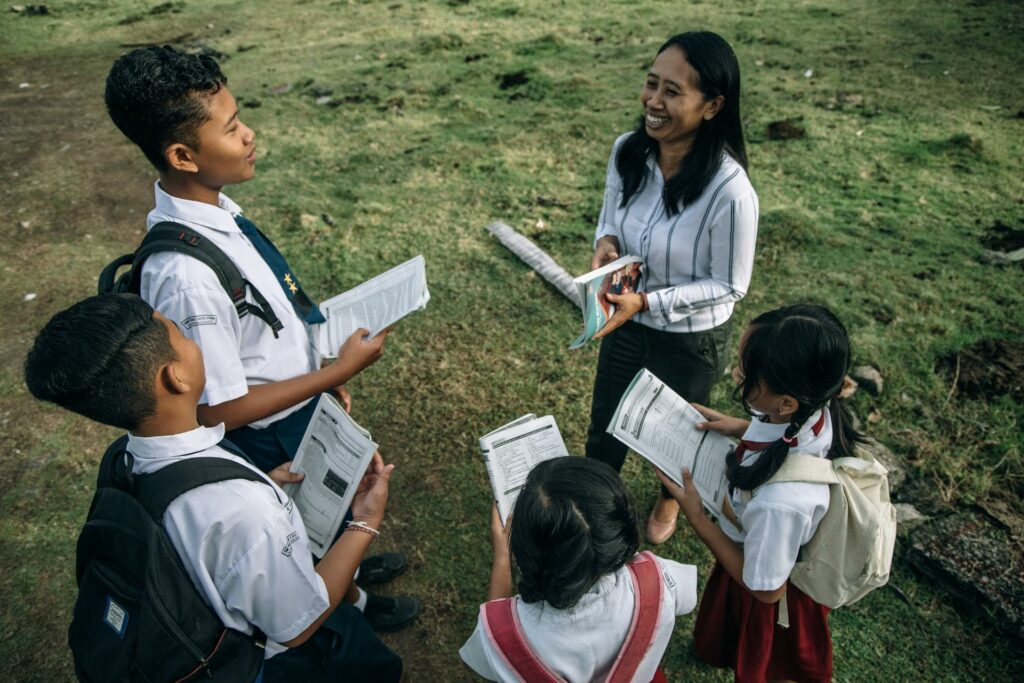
(115, 360)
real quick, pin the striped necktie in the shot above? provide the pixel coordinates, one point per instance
(305, 307)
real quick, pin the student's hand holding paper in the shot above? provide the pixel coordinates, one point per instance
(359, 353)
(686, 495)
(720, 422)
(282, 474)
(345, 398)
(626, 306)
(499, 534)
(372, 495)
(500, 585)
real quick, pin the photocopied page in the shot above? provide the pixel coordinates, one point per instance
(510, 452)
(661, 426)
(621, 276)
(375, 304)
(334, 455)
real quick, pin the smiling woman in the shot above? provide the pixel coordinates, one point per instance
(677, 195)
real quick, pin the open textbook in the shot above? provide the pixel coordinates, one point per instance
(660, 425)
(621, 276)
(511, 451)
(375, 304)
(334, 455)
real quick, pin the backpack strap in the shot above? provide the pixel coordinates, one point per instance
(168, 236)
(157, 490)
(805, 468)
(648, 588)
(501, 624)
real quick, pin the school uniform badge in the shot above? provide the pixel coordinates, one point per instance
(293, 537)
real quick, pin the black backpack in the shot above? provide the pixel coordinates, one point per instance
(167, 236)
(138, 616)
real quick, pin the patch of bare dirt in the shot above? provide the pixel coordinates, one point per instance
(988, 369)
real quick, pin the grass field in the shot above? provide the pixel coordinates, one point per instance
(912, 152)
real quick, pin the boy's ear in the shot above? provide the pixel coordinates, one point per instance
(181, 157)
(172, 379)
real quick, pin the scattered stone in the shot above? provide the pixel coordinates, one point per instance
(987, 369)
(30, 296)
(994, 258)
(282, 89)
(895, 464)
(308, 220)
(808, 73)
(24, 86)
(513, 80)
(325, 100)
(328, 220)
(788, 129)
(25, 225)
(908, 516)
(540, 225)
(17, 9)
(978, 561)
(874, 417)
(868, 377)
(1016, 255)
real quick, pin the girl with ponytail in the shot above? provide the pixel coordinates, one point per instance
(791, 378)
(586, 597)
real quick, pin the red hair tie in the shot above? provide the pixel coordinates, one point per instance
(789, 440)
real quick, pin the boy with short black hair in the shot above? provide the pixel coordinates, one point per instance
(262, 379)
(115, 360)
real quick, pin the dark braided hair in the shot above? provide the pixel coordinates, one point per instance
(802, 351)
(572, 523)
(718, 73)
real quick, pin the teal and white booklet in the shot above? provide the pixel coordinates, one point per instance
(621, 276)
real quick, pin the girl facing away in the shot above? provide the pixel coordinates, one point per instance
(791, 377)
(589, 608)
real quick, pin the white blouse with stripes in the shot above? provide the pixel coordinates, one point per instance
(698, 262)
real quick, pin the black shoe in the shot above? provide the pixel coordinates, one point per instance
(388, 614)
(380, 568)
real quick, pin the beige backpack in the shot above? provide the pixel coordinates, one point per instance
(851, 552)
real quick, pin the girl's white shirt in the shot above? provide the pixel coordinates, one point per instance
(780, 517)
(581, 643)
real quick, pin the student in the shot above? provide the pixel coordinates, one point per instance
(113, 359)
(261, 382)
(574, 537)
(791, 376)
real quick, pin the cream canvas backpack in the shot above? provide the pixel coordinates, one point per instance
(851, 552)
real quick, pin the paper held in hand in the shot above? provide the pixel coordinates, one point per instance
(375, 305)
(661, 426)
(334, 455)
(511, 451)
(621, 276)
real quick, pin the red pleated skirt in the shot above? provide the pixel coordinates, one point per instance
(734, 630)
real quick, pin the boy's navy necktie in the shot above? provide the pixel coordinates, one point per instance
(304, 306)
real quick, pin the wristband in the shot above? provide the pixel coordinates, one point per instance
(647, 305)
(361, 526)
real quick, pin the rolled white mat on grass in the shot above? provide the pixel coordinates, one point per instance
(536, 258)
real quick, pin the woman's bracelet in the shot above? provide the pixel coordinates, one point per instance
(362, 526)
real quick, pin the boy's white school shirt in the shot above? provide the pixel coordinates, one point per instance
(780, 517)
(242, 543)
(581, 643)
(238, 352)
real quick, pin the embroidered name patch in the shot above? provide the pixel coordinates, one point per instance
(197, 320)
(669, 581)
(116, 617)
(292, 538)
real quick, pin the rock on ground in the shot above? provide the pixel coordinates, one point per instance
(978, 561)
(868, 377)
(895, 464)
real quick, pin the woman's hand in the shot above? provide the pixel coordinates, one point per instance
(686, 495)
(499, 535)
(372, 495)
(626, 306)
(721, 423)
(282, 474)
(606, 251)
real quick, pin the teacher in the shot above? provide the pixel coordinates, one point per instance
(677, 195)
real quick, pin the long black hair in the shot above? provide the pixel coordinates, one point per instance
(718, 73)
(802, 351)
(572, 523)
